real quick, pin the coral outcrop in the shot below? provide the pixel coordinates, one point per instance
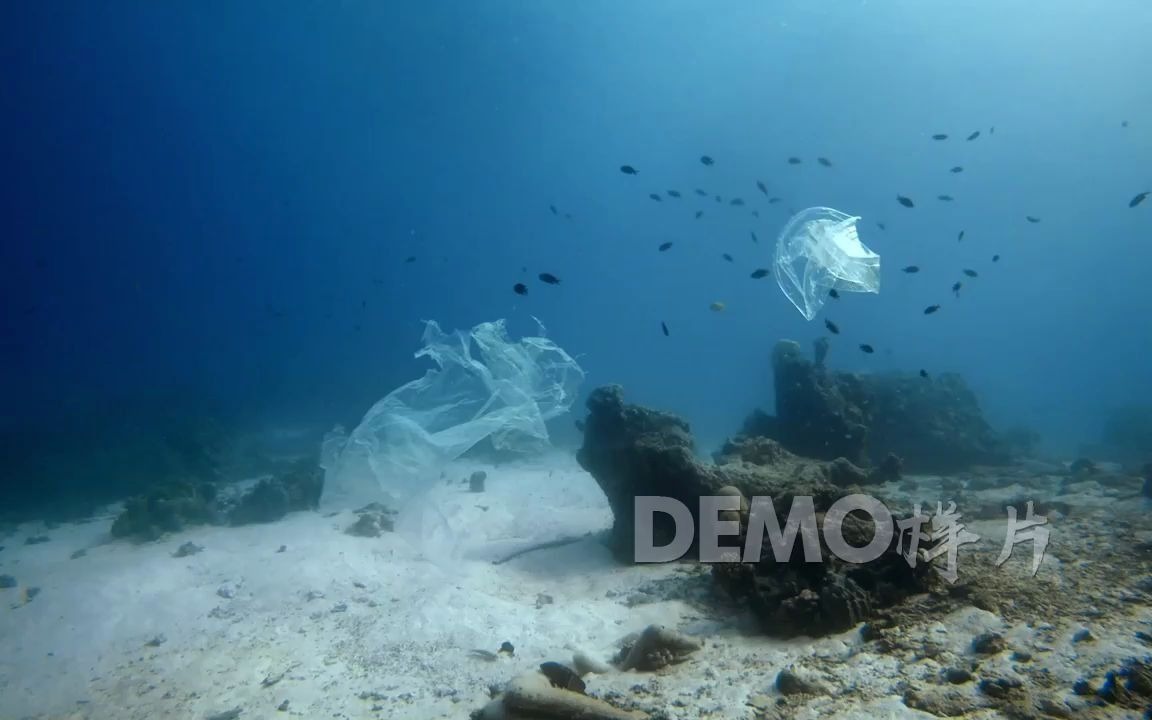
(633, 451)
(933, 423)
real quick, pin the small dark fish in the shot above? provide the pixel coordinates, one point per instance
(956, 287)
(970, 273)
(699, 214)
(664, 246)
(833, 294)
(824, 161)
(553, 209)
(655, 197)
(410, 259)
(940, 136)
(931, 309)
(727, 257)
(754, 238)
(562, 676)
(701, 193)
(973, 136)
(664, 328)
(793, 161)
(911, 269)
(1138, 199)
(924, 373)
(773, 200)
(867, 349)
(628, 170)
(960, 236)
(832, 328)
(882, 226)
(1123, 123)
(520, 289)
(567, 216)
(760, 273)
(1031, 219)
(736, 202)
(945, 198)
(549, 278)
(957, 169)
(719, 199)
(707, 160)
(756, 213)
(674, 193)
(995, 258)
(761, 187)
(906, 202)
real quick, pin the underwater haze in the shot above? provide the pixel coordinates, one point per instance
(221, 198)
(343, 340)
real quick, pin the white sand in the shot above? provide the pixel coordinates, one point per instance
(365, 628)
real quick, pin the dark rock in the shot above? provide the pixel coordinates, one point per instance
(266, 502)
(186, 549)
(934, 425)
(655, 648)
(7, 581)
(476, 481)
(820, 415)
(272, 498)
(789, 683)
(373, 520)
(957, 676)
(37, 540)
(1083, 635)
(998, 688)
(633, 451)
(1129, 686)
(169, 508)
(988, 643)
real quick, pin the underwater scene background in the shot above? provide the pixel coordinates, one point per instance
(236, 237)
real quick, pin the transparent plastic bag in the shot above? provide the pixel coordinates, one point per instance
(819, 250)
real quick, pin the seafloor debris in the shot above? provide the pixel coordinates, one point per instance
(177, 505)
(656, 647)
(533, 695)
(372, 520)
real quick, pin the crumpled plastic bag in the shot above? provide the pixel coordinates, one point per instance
(818, 251)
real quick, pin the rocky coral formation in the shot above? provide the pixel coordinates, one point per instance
(175, 506)
(273, 498)
(633, 451)
(934, 423)
(655, 648)
(533, 695)
(169, 508)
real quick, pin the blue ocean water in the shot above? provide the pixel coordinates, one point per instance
(236, 218)
(221, 198)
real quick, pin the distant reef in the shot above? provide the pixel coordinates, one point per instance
(932, 422)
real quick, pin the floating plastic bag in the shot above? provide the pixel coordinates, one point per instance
(486, 386)
(818, 251)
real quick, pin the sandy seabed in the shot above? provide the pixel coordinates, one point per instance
(297, 618)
